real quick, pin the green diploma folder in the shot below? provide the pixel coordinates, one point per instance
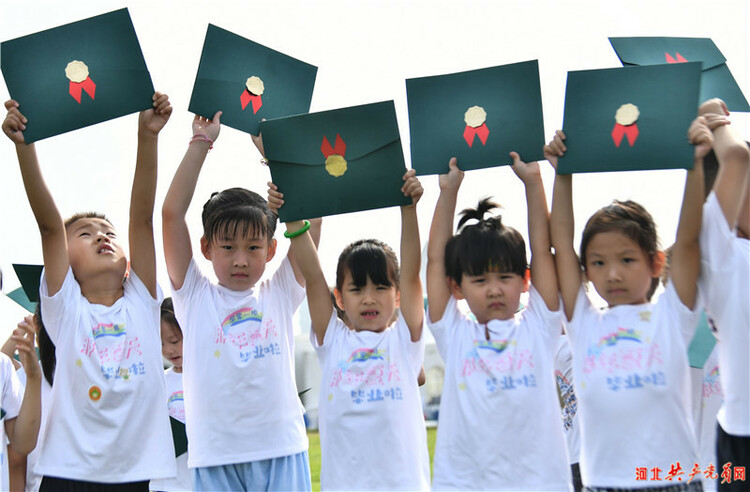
(337, 161)
(77, 75)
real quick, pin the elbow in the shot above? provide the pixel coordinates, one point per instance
(738, 153)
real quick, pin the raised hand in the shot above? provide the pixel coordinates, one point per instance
(209, 128)
(701, 136)
(23, 336)
(412, 187)
(555, 148)
(452, 180)
(14, 123)
(151, 121)
(525, 171)
(275, 198)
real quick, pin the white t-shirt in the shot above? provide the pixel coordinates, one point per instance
(11, 393)
(107, 421)
(176, 404)
(725, 283)
(34, 480)
(499, 425)
(372, 430)
(566, 389)
(241, 402)
(707, 398)
(630, 366)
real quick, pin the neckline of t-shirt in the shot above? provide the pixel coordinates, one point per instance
(235, 293)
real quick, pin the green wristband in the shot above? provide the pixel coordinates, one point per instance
(298, 232)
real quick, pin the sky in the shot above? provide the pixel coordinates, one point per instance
(364, 49)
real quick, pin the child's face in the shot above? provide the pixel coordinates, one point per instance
(239, 262)
(93, 248)
(171, 344)
(491, 295)
(369, 307)
(619, 269)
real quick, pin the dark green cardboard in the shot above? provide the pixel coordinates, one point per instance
(179, 436)
(375, 161)
(667, 98)
(228, 60)
(509, 94)
(34, 71)
(27, 296)
(716, 79)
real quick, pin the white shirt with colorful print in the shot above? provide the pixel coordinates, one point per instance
(499, 425)
(566, 389)
(372, 430)
(241, 402)
(183, 481)
(725, 280)
(107, 421)
(630, 365)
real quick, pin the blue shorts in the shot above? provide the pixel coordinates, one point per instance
(283, 473)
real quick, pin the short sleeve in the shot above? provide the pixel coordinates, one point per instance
(685, 318)
(136, 289)
(716, 238)
(334, 330)
(584, 309)
(60, 311)
(285, 287)
(415, 350)
(538, 314)
(443, 329)
(12, 389)
(186, 296)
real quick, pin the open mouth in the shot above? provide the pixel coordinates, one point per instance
(105, 249)
(369, 314)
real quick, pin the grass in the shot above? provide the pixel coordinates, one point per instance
(314, 453)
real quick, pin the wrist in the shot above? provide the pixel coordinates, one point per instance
(147, 135)
(202, 140)
(296, 228)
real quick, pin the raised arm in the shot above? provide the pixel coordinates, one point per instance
(412, 302)
(304, 250)
(178, 249)
(441, 230)
(141, 229)
(24, 430)
(48, 218)
(542, 264)
(734, 160)
(686, 254)
(562, 228)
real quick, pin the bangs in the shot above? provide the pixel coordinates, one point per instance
(365, 259)
(238, 222)
(476, 251)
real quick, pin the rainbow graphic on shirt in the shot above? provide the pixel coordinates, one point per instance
(363, 355)
(239, 317)
(175, 397)
(497, 346)
(612, 339)
(108, 330)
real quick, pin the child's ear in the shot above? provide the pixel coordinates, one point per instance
(339, 298)
(271, 250)
(526, 280)
(205, 248)
(657, 265)
(398, 298)
(455, 288)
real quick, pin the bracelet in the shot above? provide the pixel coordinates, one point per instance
(202, 137)
(264, 161)
(298, 232)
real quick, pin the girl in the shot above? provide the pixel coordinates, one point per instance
(630, 360)
(499, 426)
(171, 349)
(372, 432)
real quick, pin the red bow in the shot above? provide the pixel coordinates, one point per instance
(87, 85)
(481, 131)
(247, 96)
(620, 130)
(679, 59)
(338, 149)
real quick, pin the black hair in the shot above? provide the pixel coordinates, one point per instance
(485, 246)
(629, 218)
(47, 355)
(167, 314)
(368, 258)
(237, 212)
(86, 215)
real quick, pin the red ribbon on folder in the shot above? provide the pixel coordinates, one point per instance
(619, 131)
(481, 131)
(87, 85)
(246, 97)
(338, 149)
(679, 59)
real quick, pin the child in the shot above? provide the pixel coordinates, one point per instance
(630, 360)
(499, 426)
(21, 409)
(107, 425)
(726, 269)
(171, 349)
(238, 347)
(372, 431)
